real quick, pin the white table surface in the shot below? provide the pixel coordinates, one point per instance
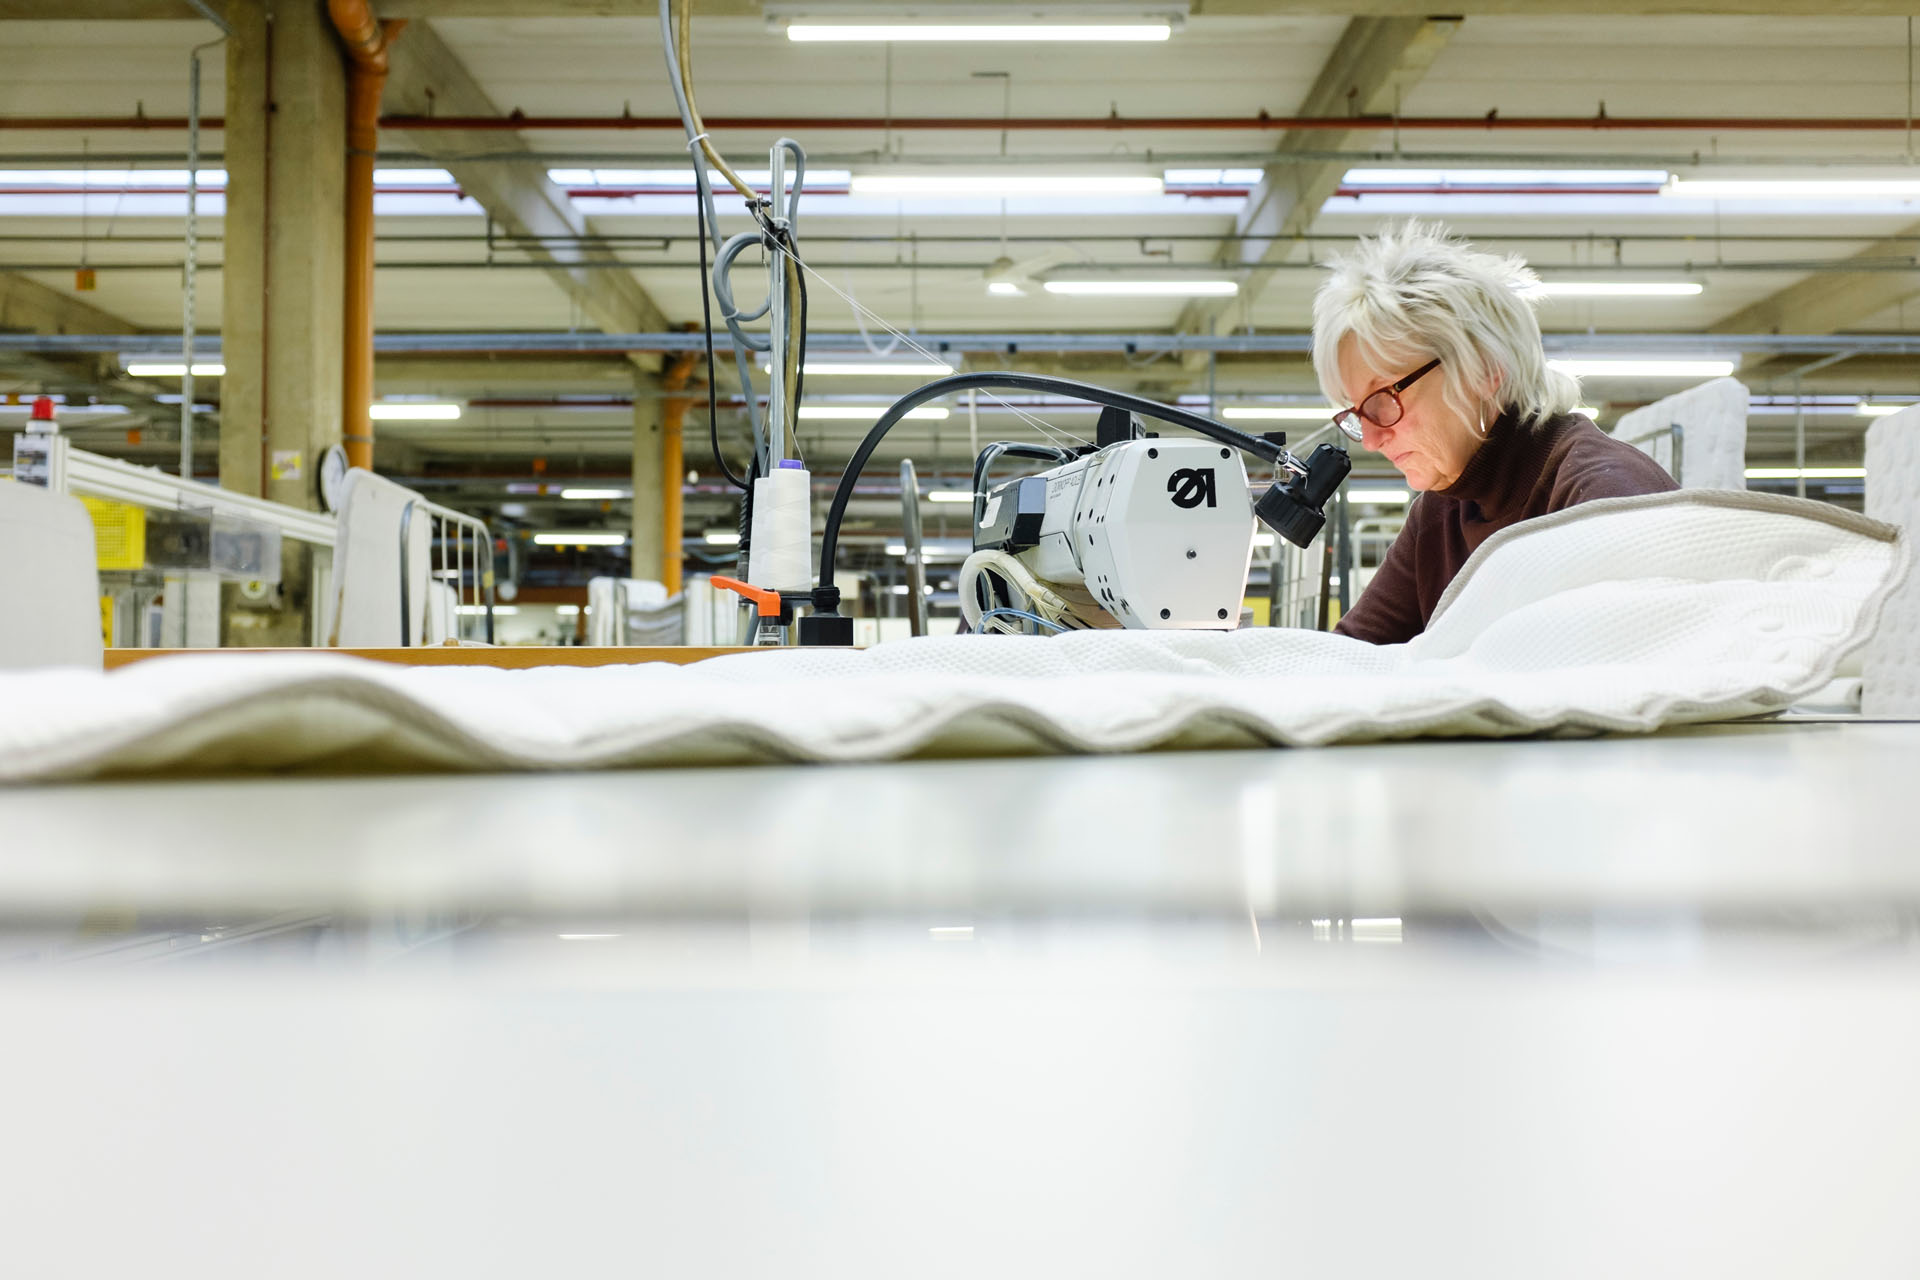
(1653, 1009)
(1724, 817)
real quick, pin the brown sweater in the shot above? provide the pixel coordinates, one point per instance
(1519, 473)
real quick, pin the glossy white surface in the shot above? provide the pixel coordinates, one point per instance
(1143, 1107)
(1619, 1007)
(1726, 818)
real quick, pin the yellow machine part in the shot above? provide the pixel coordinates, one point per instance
(119, 533)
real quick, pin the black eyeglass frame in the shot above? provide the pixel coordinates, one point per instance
(1348, 420)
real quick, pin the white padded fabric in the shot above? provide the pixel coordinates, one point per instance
(1892, 662)
(1713, 434)
(49, 581)
(363, 609)
(1626, 614)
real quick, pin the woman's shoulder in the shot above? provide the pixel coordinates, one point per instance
(1590, 464)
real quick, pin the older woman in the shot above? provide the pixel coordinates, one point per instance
(1434, 345)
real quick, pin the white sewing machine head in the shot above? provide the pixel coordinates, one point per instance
(1157, 533)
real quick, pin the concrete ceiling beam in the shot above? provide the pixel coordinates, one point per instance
(426, 77)
(1828, 303)
(26, 305)
(1369, 70)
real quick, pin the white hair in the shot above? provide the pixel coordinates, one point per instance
(1413, 293)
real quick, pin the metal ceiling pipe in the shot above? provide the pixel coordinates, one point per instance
(366, 39)
(1491, 122)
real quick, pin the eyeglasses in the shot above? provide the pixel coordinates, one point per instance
(1382, 408)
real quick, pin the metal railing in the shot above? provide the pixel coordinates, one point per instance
(1679, 434)
(450, 533)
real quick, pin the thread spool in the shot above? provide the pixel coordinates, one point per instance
(782, 556)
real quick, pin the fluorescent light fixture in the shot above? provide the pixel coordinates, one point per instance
(1212, 177)
(896, 548)
(480, 610)
(413, 411)
(1792, 188)
(1589, 410)
(594, 495)
(1811, 473)
(949, 495)
(176, 370)
(1000, 186)
(876, 369)
(1651, 368)
(1277, 413)
(1380, 497)
(1145, 288)
(863, 412)
(561, 538)
(1504, 177)
(67, 411)
(684, 178)
(1614, 289)
(721, 537)
(1867, 409)
(817, 32)
(567, 610)
(1006, 289)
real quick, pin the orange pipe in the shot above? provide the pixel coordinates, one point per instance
(366, 39)
(673, 469)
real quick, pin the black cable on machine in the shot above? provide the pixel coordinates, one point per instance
(706, 313)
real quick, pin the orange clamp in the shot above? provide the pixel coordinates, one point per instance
(768, 602)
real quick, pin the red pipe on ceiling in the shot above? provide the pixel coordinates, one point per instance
(1492, 122)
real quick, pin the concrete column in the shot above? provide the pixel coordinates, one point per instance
(283, 280)
(647, 478)
(284, 251)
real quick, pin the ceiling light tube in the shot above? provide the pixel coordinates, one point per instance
(864, 412)
(1277, 413)
(1867, 409)
(1650, 368)
(563, 538)
(1792, 189)
(1144, 288)
(721, 537)
(875, 368)
(949, 495)
(413, 411)
(819, 32)
(594, 495)
(175, 370)
(1810, 473)
(1614, 289)
(998, 186)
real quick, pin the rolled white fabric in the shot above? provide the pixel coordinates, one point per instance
(781, 557)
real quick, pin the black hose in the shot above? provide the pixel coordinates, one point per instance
(830, 537)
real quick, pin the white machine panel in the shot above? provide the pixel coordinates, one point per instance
(1159, 531)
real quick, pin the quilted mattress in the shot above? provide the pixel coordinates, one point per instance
(1624, 615)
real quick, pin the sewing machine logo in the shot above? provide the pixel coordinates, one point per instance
(1190, 486)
